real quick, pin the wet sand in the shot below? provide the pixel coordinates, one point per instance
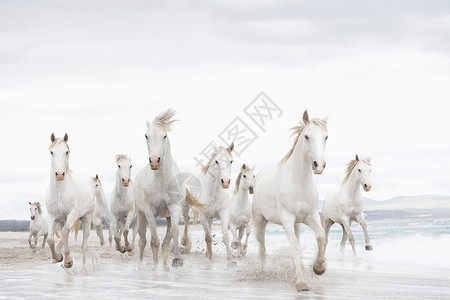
(111, 275)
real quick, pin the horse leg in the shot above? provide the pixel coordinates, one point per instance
(363, 224)
(260, 231)
(224, 217)
(110, 230)
(71, 218)
(351, 239)
(128, 246)
(248, 230)
(99, 231)
(235, 242)
(327, 223)
(175, 213)
(288, 222)
(118, 236)
(56, 257)
(297, 228)
(314, 223)
(45, 240)
(185, 238)
(165, 247)
(344, 239)
(29, 239)
(142, 230)
(86, 221)
(208, 238)
(154, 241)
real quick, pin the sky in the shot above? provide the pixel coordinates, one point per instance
(379, 70)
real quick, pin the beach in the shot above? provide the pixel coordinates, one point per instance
(411, 266)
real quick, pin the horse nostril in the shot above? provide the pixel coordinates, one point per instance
(365, 185)
(316, 164)
(123, 180)
(222, 181)
(64, 173)
(159, 158)
(56, 173)
(229, 181)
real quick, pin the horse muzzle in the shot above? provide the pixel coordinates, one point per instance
(154, 163)
(250, 190)
(367, 187)
(60, 176)
(32, 218)
(226, 184)
(318, 168)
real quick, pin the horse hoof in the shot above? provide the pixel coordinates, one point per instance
(121, 249)
(369, 248)
(102, 242)
(177, 262)
(302, 287)
(318, 272)
(232, 264)
(129, 248)
(68, 264)
(58, 259)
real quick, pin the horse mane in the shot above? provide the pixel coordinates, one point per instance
(38, 205)
(120, 158)
(163, 120)
(213, 156)
(238, 179)
(57, 142)
(297, 131)
(351, 166)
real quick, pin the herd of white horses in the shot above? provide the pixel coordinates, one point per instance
(284, 194)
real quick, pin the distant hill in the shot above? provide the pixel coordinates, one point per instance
(422, 202)
(14, 225)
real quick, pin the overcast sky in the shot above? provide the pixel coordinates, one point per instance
(99, 69)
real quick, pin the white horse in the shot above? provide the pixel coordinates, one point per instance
(287, 195)
(241, 208)
(38, 225)
(153, 197)
(346, 205)
(102, 213)
(214, 199)
(68, 199)
(122, 203)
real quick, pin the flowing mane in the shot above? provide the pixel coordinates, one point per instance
(351, 166)
(120, 158)
(238, 179)
(297, 132)
(163, 120)
(38, 205)
(213, 156)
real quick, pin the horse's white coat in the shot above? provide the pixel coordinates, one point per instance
(287, 195)
(102, 212)
(241, 208)
(122, 204)
(346, 205)
(152, 195)
(68, 199)
(38, 225)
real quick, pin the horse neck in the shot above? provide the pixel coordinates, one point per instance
(298, 165)
(212, 181)
(242, 195)
(351, 186)
(100, 196)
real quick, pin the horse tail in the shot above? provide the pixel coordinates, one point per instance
(192, 202)
(57, 232)
(76, 227)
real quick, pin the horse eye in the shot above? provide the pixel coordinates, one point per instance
(326, 138)
(96, 185)
(165, 136)
(146, 137)
(35, 208)
(359, 170)
(254, 176)
(231, 162)
(306, 137)
(67, 152)
(217, 162)
(245, 176)
(131, 166)
(51, 152)
(118, 166)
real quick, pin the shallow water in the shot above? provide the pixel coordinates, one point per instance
(409, 261)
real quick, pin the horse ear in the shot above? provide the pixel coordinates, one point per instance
(29, 203)
(244, 167)
(368, 159)
(356, 157)
(231, 147)
(52, 137)
(66, 137)
(306, 117)
(325, 119)
(148, 123)
(253, 169)
(38, 204)
(96, 176)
